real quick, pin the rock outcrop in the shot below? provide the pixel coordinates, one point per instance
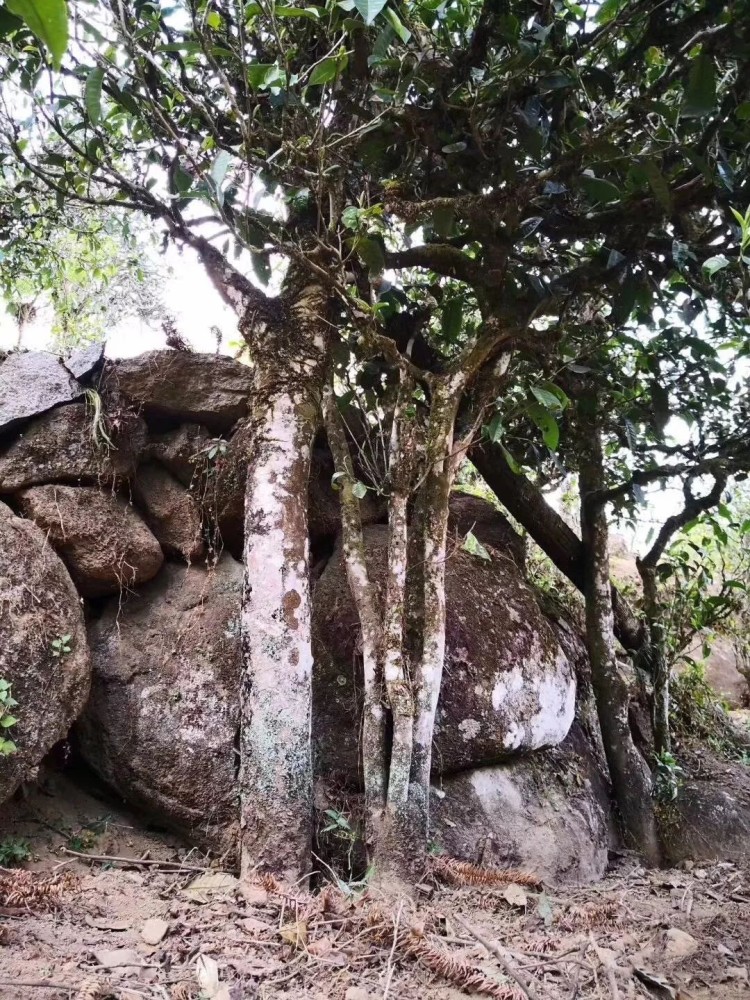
(32, 382)
(508, 687)
(171, 512)
(183, 387)
(104, 542)
(39, 606)
(547, 813)
(161, 723)
(63, 447)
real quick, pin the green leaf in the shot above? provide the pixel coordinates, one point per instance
(93, 94)
(714, 264)
(350, 217)
(452, 317)
(48, 19)
(369, 9)
(359, 490)
(546, 424)
(700, 93)
(371, 252)
(473, 546)
(219, 167)
(608, 11)
(311, 13)
(512, 463)
(658, 184)
(260, 75)
(261, 267)
(598, 189)
(324, 72)
(398, 26)
(7, 721)
(550, 399)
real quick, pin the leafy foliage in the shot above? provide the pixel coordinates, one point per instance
(7, 719)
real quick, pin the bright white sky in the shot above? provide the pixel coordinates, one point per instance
(188, 295)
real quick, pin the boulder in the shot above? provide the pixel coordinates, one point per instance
(104, 542)
(161, 724)
(31, 383)
(61, 447)
(171, 512)
(184, 452)
(508, 687)
(547, 813)
(473, 514)
(709, 820)
(39, 607)
(86, 361)
(181, 386)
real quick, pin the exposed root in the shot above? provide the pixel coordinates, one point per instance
(463, 873)
(34, 891)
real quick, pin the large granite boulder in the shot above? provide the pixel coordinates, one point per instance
(161, 724)
(43, 651)
(63, 447)
(709, 820)
(508, 687)
(32, 382)
(171, 512)
(548, 813)
(181, 386)
(102, 539)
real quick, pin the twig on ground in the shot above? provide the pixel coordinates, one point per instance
(108, 859)
(503, 958)
(389, 967)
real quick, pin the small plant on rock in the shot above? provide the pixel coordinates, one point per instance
(61, 646)
(668, 778)
(7, 719)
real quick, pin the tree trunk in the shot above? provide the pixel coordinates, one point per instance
(631, 778)
(657, 658)
(374, 762)
(275, 774)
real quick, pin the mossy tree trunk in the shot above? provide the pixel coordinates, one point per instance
(630, 774)
(275, 774)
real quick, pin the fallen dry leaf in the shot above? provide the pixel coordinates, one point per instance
(295, 933)
(154, 930)
(514, 895)
(107, 923)
(203, 888)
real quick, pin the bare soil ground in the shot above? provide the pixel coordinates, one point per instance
(89, 929)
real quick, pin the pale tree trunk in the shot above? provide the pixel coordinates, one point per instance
(355, 559)
(435, 509)
(631, 777)
(275, 779)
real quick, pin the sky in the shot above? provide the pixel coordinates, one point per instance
(188, 295)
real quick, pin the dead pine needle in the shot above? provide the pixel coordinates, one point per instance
(455, 970)
(463, 873)
(503, 958)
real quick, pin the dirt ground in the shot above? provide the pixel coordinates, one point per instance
(85, 929)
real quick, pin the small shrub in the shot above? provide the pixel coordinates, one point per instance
(61, 646)
(13, 851)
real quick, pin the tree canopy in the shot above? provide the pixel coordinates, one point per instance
(515, 227)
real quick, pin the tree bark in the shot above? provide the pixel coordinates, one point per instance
(631, 778)
(435, 506)
(374, 762)
(657, 659)
(275, 773)
(557, 540)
